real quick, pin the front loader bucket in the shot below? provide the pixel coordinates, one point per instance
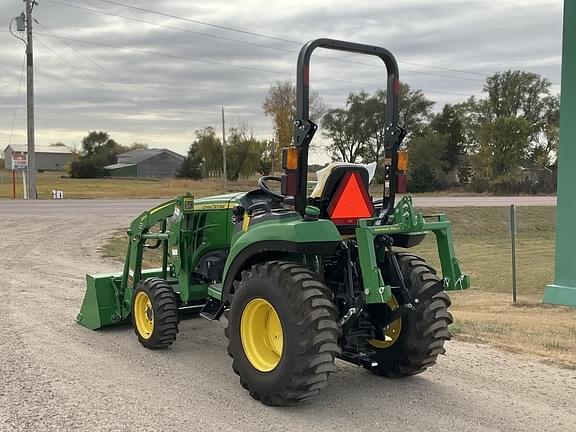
(100, 307)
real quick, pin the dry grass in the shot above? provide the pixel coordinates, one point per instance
(529, 327)
(485, 312)
(118, 188)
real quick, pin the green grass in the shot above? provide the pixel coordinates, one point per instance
(482, 241)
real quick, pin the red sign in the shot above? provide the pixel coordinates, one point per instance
(19, 161)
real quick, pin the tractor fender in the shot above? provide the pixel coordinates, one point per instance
(268, 241)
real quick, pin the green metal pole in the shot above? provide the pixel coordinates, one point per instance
(563, 290)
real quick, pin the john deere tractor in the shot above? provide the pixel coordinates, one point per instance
(302, 279)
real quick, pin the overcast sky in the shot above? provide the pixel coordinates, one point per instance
(87, 84)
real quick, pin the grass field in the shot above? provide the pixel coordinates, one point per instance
(485, 313)
(117, 188)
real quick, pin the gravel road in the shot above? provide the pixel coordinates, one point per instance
(56, 375)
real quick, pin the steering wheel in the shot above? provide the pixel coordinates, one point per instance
(266, 189)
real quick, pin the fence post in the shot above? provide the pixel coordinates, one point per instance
(513, 231)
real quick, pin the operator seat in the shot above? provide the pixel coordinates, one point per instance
(330, 187)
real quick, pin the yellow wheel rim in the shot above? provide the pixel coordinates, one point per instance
(143, 315)
(261, 335)
(392, 331)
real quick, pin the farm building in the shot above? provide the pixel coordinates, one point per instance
(146, 163)
(48, 158)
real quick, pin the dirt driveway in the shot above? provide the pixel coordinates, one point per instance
(56, 375)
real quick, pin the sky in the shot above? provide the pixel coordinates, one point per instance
(150, 78)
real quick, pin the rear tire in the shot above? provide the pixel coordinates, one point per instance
(422, 334)
(302, 350)
(155, 313)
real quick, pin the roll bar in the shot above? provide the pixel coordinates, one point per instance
(304, 128)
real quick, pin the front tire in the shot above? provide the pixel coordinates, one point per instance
(282, 333)
(411, 344)
(155, 313)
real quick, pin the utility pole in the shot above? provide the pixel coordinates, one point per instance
(30, 101)
(273, 154)
(224, 152)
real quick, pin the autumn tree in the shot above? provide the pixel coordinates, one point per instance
(280, 104)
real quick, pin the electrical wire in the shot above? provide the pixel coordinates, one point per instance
(238, 41)
(233, 29)
(90, 77)
(212, 62)
(17, 101)
(91, 60)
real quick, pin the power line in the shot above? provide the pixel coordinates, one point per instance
(222, 27)
(404, 70)
(262, 35)
(17, 100)
(290, 41)
(101, 12)
(105, 69)
(212, 62)
(90, 77)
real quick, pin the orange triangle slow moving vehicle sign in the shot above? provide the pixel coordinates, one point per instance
(351, 201)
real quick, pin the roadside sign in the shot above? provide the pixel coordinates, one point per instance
(19, 160)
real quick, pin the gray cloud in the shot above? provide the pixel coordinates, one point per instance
(162, 100)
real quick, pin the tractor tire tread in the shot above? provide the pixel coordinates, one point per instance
(165, 304)
(426, 334)
(315, 342)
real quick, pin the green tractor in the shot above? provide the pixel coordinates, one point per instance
(302, 279)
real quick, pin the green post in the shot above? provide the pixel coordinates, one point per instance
(563, 290)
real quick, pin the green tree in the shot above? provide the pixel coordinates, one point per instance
(98, 150)
(210, 150)
(517, 94)
(191, 165)
(350, 129)
(357, 132)
(504, 145)
(547, 145)
(427, 166)
(450, 123)
(244, 153)
(415, 110)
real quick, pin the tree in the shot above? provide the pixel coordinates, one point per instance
(517, 94)
(280, 104)
(547, 145)
(98, 150)
(358, 131)
(427, 167)
(138, 146)
(84, 167)
(415, 110)
(349, 129)
(191, 165)
(244, 153)
(210, 150)
(449, 123)
(504, 145)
